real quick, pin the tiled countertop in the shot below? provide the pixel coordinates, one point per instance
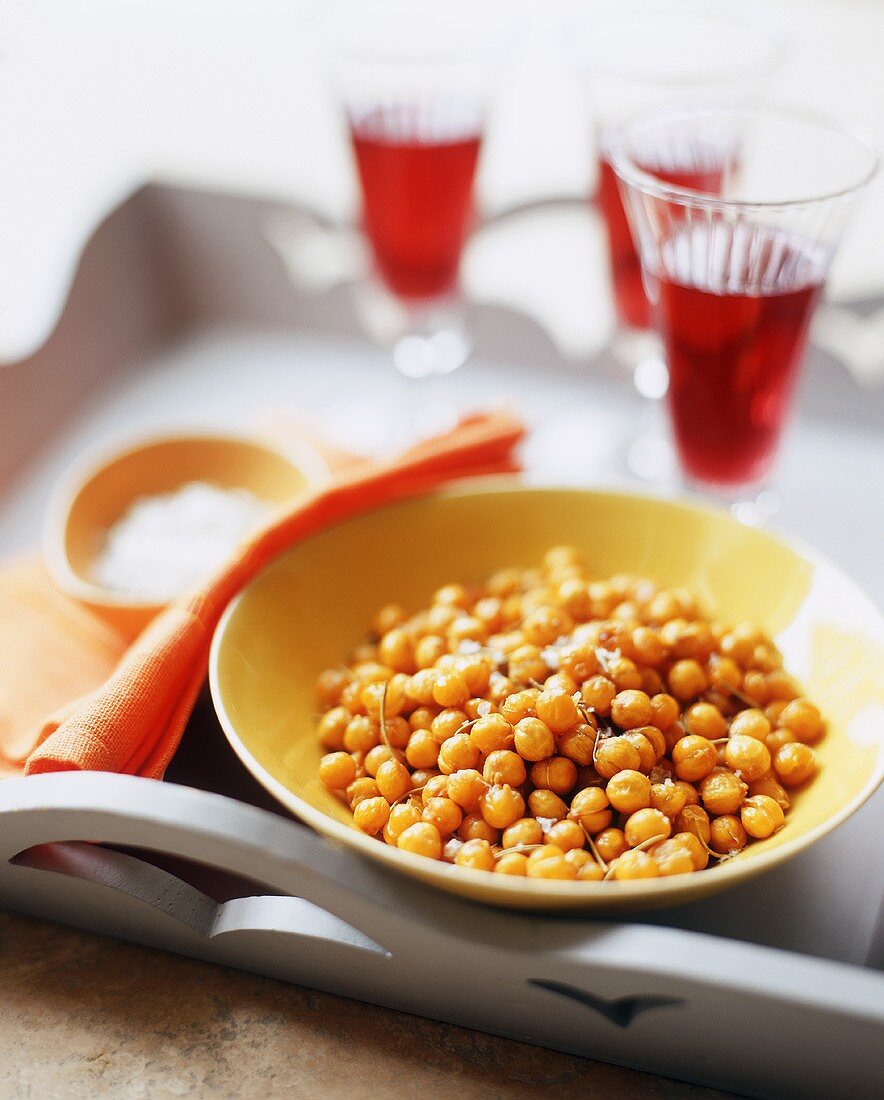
(82, 1016)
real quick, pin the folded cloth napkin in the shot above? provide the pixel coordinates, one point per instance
(140, 700)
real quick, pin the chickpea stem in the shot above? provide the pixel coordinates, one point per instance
(643, 847)
(596, 854)
(517, 849)
(408, 794)
(383, 715)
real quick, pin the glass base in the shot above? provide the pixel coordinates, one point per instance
(751, 505)
(426, 337)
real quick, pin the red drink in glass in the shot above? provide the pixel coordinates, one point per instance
(630, 300)
(417, 204)
(734, 308)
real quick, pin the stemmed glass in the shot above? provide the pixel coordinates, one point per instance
(735, 271)
(415, 80)
(645, 54)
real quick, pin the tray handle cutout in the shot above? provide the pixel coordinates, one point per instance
(620, 1011)
(142, 881)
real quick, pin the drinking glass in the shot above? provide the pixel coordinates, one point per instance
(415, 80)
(734, 272)
(638, 55)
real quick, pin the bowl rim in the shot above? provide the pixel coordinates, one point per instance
(304, 458)
(514, 890)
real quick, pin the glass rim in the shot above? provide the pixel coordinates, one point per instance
(646, 182)
(474, 50)
(775, 40)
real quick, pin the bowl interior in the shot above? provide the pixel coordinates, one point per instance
(308, 609)
(161, 466)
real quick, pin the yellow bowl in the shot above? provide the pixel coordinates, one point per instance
(309, 608)
(97, 494)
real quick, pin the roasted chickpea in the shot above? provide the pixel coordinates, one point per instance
(554, 866)
(421, 839)
(624, 673)
(377, 756)
(722, 792)
(629, 791)
(750, 723)
(465, 787)
(522, 833)
(527, 664)
(566, 835)
(664, 711)
(511, 863)
(634, 864)
(748, 757)
(615, 754)
(447, 723)
(630, 709)
(647, 648)
(803, 718)
(422, 750)
(435, 787)
(444, 814)
(457, 753)
(687, 679)
(522, 704)
(362, 733)
(610, 843)
(761, 816)
(501, 806)
(337, 770)
(769, 785)
(557, 710)
(579, 661)
(598, 692)
(475, 854)
(578, 744)
(705, 720)
(668, 797)
(558, 774)
(794, 764)
(724, 673)
(395, 649)
(361, 789)
(332, 726)
(475, 827)
(645, 824)
(779, 737)
(401, 818)
(780, 685)
(393, 779)
(371, 815)
(694, 819)
(672, 857)
(421, 718)
(534, 739)
(694, 757)
(547, 804)
(504, 766)
(491, 733)
(727, 835)
(699, 852)
(643, 746)
(450, 689)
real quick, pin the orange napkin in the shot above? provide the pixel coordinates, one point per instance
(133, 720)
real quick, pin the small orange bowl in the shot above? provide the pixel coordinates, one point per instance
(99, 492)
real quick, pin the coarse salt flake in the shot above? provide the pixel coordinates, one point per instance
(164, 544)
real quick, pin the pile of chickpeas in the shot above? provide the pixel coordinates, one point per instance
(554, 726)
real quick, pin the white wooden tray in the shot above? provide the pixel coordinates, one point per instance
(772, 989)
